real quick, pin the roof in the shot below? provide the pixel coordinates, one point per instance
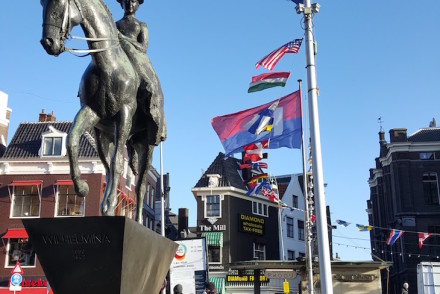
(425, 135)
(27, 140)
(229, 171)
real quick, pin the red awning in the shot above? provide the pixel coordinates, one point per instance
(26, 290)
(16, 234)
(64, 182)
(26, 183)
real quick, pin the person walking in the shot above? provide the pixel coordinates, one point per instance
(405, 287)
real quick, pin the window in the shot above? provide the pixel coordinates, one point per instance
(20, 250)
(259, 251)
(260, 208)
(52, 146)
(430, 188)
(148, 195)
(68, 203)
(214, 254)
(25, 201)
(426, 155)
(152, 197)
(301, 230)
(290, 255)
(212, 206)
(295, 201)
(301, 254)
(289, 224)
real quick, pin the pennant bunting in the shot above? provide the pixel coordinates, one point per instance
(362, 228)
(268, 80)
(422, 238)
(270, 60)
(256, 178)
(258, 187)
(241, 129)
(254, 152)
(394, 235)
(342, 223)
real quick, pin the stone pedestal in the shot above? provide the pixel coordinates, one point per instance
(112, 255)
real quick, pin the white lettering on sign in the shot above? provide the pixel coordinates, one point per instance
(280, 274)
(204, 228)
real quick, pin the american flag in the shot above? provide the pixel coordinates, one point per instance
(269, 61)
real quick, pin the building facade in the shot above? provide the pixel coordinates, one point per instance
(35, 183)
(404, 195)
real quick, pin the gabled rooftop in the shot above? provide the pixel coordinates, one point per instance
(431, 134)
(27, 140)
(229, 171)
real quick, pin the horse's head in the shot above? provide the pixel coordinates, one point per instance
(59, 16)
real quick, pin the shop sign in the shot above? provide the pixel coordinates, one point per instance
(355, 277)
(38, 282)
(280, 274)
(251, 224)
(245, 279)
(212, 228)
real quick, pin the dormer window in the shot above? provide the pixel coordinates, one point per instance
(53, 143)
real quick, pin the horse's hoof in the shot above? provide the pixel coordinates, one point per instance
(81, 188)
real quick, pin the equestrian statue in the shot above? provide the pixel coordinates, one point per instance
(120, 95)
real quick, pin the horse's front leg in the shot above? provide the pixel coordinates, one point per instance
(122, 130)
(84, 121)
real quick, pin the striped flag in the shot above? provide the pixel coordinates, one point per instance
(394, 235)
(422, 238)
(268, 80)
(269, 61)
(363, 228)
(254, 165)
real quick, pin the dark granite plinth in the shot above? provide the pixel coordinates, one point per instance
(111, 255)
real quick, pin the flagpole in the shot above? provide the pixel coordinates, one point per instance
(162, 200)
(308, 224)
(321, 218)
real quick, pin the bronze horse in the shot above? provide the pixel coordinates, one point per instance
(109, 94)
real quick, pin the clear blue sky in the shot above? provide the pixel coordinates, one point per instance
(374, 59)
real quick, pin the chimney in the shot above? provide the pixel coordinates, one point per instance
(43, 117)
(382, 143)
(398, 135)
(182, 221)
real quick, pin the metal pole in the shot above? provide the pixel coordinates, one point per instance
(321, 218)
(162, 196)
(280, 231)
(308, 226)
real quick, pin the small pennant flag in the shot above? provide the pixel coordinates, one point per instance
(254, 165)
(422, 238)
(270, 60)
(362, 228)
(254, 152)
(268, 80)
(394, 235)
(342, 223)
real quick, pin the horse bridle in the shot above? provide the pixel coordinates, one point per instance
(66, 27)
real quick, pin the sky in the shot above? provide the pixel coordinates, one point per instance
(374, 60)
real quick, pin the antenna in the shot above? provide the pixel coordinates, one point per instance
(380, 121)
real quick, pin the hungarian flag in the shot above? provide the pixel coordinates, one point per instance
(394, 235)
(270, 60)
(422, 238)
(268, 80)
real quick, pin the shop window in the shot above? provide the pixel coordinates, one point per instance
(289, 225)
(259, 208)
(214, 254)
(301, 230)
(212, 206)
(430, 188)
(427, 155)
(20, 250)
(68, 203)
(290, 255)
(295, 201)
(259, 251)
(25, 201)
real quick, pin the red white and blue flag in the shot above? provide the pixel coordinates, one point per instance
(270, 60)
(394, 235)
(422, 238)
(254, 152)
(285, 125)
(254, 165)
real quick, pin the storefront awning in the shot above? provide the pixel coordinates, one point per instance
(26, 183)
(213, 238)
(16, 234)
(219, 284)
(64, 183)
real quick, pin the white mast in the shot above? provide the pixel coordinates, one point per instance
(321, 217)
